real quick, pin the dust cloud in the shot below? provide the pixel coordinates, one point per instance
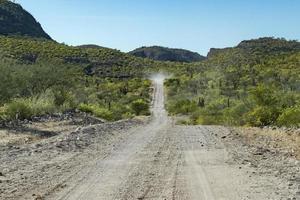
(159, 78)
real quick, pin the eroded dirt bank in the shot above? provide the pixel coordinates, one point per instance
(149, 160)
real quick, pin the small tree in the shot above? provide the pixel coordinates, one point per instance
(140, 107)
(290, 117)
(264, 96)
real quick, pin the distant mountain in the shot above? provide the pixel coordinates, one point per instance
(215, 51)
(14, 20)
(265, 46)
(270, 46)
(90, 46)
(167, 54)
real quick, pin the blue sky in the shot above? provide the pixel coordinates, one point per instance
(196, 25)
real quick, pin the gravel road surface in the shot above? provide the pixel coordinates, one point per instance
(152, 160)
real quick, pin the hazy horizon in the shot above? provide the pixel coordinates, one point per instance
(193, 25)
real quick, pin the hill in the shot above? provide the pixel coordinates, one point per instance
(42, 77)
(14, 20)
(255, 83)
(103, 62)
(90, 46)
(167, 54)
(265, 46)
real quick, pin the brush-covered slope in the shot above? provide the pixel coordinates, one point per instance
(40, 77)
(14, 20)
(266, 46)
(102, 62)
(256, 83)
(167, 54)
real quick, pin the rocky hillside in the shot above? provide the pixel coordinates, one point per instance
(167, 54)
(14, 20)
(266, 46)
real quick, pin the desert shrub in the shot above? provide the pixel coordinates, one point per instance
(42, 104)
(61, 96)
(207, 120)
(183, 106)
(290, 117)
(204, 117)
(264, 95)
(185, 122)
(119, 111)
(288, 99)
(262, 116)
(88, 108)
(96, 110)
(234, 114)
(2, 113)
(172, 82)
(19, 109)
(216, 106)
(211, 114)
(103, 113)
(265, 106)
(25, 108)
(127, 115)
(140, 107)
(64, 100)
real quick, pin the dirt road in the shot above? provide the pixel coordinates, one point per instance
(163, 161)
(156, 160)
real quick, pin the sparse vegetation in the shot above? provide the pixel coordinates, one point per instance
(140, 106)
(256, 83)
(29, 90)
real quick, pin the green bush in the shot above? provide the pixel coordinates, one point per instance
(234, 115)
(19, 109)
(183, 106)
(121, 111)
(86, 108)
(103, 113)
(216, 106)
(262, 116)
(127, 115)
(264, 95)
(43, 104)
(61, 96)
(140, 107)
(185, 122)
(290, 117)
(2, 113)
(25, 108)
(97, 111)
(208, 120)
(172, 82)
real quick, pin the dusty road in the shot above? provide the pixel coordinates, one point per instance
(163, 161)
(155, 160)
